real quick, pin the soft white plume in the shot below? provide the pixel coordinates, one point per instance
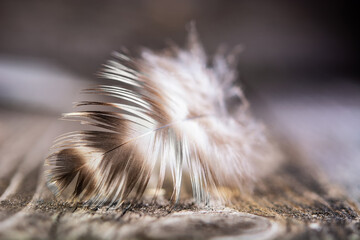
(166, 113)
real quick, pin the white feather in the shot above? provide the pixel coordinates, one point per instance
(170, 111)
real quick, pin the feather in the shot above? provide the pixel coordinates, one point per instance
(170, 113)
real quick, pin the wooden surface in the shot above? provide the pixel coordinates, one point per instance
(295, 202)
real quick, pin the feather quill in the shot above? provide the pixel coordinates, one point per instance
(170, 112)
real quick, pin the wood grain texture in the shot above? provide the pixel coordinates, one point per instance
(293, 203)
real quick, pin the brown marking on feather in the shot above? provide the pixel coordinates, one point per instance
(68, 164)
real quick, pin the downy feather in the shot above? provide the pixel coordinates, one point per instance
(171, 113)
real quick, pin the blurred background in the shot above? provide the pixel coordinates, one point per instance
(299, 66)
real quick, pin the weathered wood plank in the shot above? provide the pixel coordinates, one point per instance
(295, 202)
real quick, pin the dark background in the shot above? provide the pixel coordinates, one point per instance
(285, 42)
